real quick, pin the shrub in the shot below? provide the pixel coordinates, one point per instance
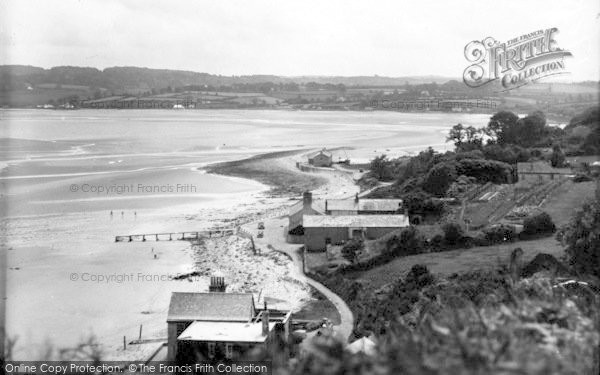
(500, 233)
(486, 170)
(538, 224)
(420, 202)
(439, 179)
(409, 241)
(453, 233)
(351, 249)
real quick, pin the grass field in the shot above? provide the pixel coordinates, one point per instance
(456, 261)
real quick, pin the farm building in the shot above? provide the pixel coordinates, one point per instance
(321, 230)
(217, 325)
(357, 206)
(322, 158)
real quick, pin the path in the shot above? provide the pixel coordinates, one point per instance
(274, 236)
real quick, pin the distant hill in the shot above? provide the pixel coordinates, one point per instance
(17, 77)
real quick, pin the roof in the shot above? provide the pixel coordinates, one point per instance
(321, 152)
(355, 221)
(225, 332)
(363, 204)
(236, 307)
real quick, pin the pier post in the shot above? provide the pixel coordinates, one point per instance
(124, 343)
(140, 332)
(170, 236)
(157, 237)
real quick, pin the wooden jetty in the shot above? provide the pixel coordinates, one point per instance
(177, 236)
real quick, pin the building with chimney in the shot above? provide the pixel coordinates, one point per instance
(298, 210)
(217, 325)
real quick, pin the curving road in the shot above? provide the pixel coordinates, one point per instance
(274, 236)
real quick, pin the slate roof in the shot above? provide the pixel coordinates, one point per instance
(355, 221)
(229, 307)
(363, 204)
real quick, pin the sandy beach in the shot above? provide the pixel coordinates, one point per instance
(54, 232)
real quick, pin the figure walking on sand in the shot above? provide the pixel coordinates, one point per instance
(122, 214)
(111, 214)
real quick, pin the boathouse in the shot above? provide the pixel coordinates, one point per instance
(322, 158)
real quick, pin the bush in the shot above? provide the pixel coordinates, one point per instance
(486, 170)
(453, 233)
(351, 249)
(420, 202)
(439, 179)
(408, 242)
(538, 224)
(500, 233)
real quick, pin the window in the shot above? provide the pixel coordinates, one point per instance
(228, 351)
(211, 349)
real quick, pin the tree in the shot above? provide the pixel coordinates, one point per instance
(582, 238)
(453, 233)
(538, 224)
(456, 135)
(530, 130)
(439, 178)
(557, 159)
(500, 125)
(381, 168)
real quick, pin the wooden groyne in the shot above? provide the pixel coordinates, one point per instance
(177, 236)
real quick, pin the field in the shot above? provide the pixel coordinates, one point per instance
(455, 261)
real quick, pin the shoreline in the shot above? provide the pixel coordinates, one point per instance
(270, 169)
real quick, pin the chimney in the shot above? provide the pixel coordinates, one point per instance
(217, 284)
(307, 199)
(356, 198)
(265, 320)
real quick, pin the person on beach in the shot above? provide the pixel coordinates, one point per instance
(111, 214)
(122, 214)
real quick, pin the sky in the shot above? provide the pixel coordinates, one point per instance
(326, 37)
